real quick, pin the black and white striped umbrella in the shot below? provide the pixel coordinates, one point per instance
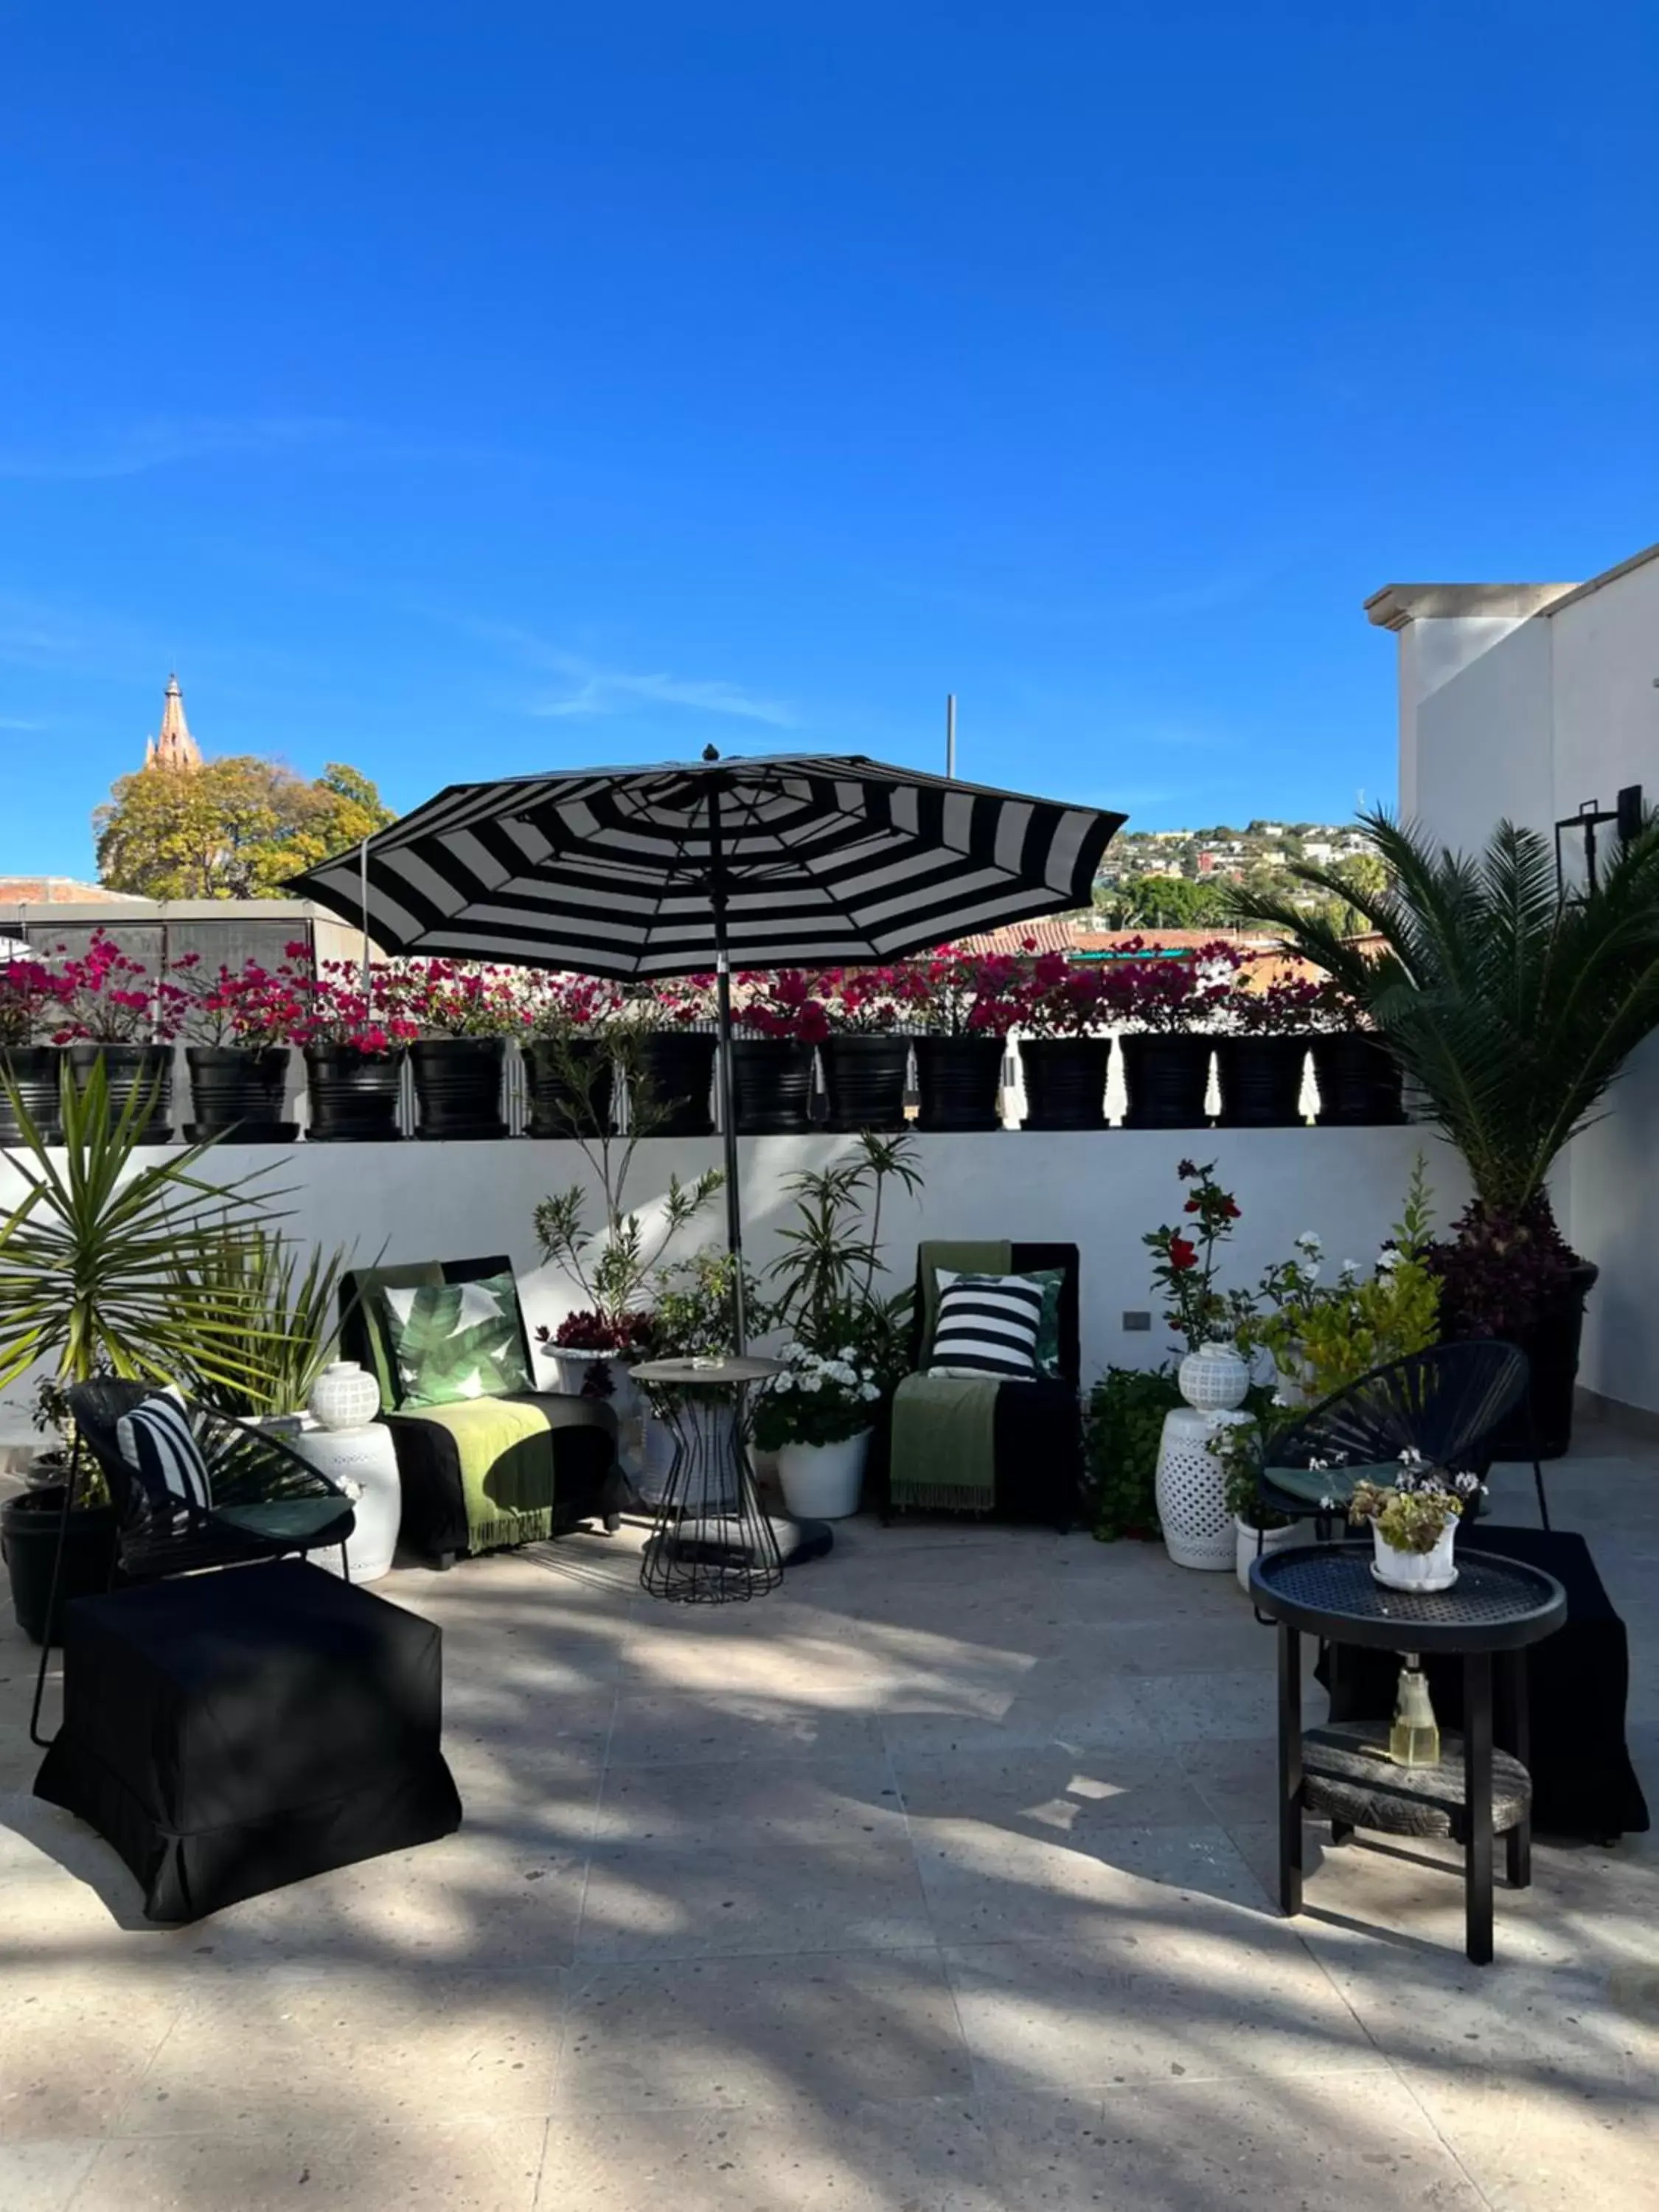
(802, 860)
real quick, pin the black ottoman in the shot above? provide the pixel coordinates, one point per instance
(229, 1732)
(1577, 1682)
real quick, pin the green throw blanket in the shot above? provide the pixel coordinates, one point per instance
(944, 1450)
(505, 1453)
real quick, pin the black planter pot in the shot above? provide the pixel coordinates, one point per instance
(1545, 1425)
(34, 1069)
(1358, 1080)
(1166, 1078)
(29, 1539)
(1065, 1082)
(237, 1091)
(1261, 1081)
(865, 1078)
(772, 1078)
(132, 1069)
(679, 1067)
(457, 1087)
(960, 1082)
(354, 1095)
(557, 1107)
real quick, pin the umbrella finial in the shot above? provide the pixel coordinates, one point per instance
(711, 752)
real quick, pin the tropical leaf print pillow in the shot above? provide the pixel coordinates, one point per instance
(454, 1341)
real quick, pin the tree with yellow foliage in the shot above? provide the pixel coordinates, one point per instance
(230, 829)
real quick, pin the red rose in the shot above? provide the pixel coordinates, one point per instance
(1183, 1254)
(1191, 1206)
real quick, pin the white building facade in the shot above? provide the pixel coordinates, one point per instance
(1525, 701)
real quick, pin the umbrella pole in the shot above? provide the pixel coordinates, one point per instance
(728, 1088)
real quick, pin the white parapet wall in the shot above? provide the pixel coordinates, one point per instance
(1102, 1190)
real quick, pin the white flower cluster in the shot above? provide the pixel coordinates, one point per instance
(812, 1372)
(1312, 1250)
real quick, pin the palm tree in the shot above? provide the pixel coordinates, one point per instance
(1511, 1009)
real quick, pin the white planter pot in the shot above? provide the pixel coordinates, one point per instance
(1247, 1539)
(345, 1396)
(1214, 1378)
(1415, 1571)
(823, 1482)
(1192, 1491)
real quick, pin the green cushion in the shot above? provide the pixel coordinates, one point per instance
(372, 1284)
(457, 1340)
(284, 1520)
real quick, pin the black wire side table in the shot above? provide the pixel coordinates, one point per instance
(711, 1543)
(1497, 1608)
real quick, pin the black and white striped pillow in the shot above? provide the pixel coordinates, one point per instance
(156, 1441)
(987, 1325)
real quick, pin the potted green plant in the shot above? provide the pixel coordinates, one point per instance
(1063, 1050)
(1414, 1523)
(353, 1037)
(462, 1017)
(670, 1029)
(962, 1002)
(570, 1053)
(1262, 1054)
(31, 1001)
(866, 1051)
(107, 1267)
(1511, 1009)
(1164, 1005)
(692, 1304)
(779, 1023)
(238, 1025)
(1238, 1448)
(117, 1016)
(1123, 1428)
(819, 1416)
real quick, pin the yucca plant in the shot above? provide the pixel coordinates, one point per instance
(1511, 1009)
(289, 1314)
(107, 1264)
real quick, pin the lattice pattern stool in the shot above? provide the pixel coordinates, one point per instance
(1192, 1490)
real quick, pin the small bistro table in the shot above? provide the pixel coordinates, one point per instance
(711, 1543)
(1344, 1773)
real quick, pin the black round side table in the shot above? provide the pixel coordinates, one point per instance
(712, 1542)
(1497, 1605)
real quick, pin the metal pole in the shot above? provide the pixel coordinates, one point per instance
(951, 735)
(362, 879)
(728, 1089)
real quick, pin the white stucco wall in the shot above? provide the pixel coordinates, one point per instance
(1102, 1191)
(1528, 719)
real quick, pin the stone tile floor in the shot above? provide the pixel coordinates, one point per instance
(933, 1883)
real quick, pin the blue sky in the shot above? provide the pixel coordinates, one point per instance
(471, 391)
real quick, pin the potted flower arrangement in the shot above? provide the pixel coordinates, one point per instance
(693, 1302)
(1414, 1523)
(1358, 1078)
(1511, 1009)
(568, 1054)
(819, 1416)
(1164, 1004)
(782, 1022)
(353, 1039)
(115, 1013)
(462, 1017)
(866, 1050)
(239, 1023)
(669, 1031)
(1063, 1052)
(1213, 1376)
(32, 998)
(1261, 1055)
(965, 1006)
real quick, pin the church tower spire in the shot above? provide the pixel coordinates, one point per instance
(173, 747)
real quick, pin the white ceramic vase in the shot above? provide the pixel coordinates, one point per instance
(1415, 1571)
(1214, 1378)
(1248, 1541)
(345, 1396)
(823, 1482)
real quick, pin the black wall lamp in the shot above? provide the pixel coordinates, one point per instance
(1576, 839)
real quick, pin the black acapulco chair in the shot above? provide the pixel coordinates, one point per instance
(268, 1503)
(1444, 1404)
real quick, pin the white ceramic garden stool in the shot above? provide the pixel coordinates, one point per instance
(1192, 1490)
(362, 1462)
